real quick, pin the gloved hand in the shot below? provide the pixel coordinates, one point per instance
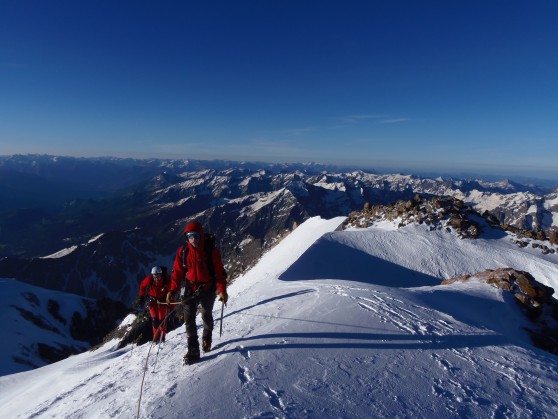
(224, 297)
(139, 301)
(169, 297)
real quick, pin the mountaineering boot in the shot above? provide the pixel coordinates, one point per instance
(191, 356)
(206, 345)
(193, 353)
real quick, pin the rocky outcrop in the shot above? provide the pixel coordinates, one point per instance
(437, 213)
(140, 330)
(102, 316)
(453, 215)
(527, 290)
(534, 298)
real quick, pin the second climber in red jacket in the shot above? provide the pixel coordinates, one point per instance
(156, 286)
(199, 265)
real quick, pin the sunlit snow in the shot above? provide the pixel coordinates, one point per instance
(349, 324)
(61, 253)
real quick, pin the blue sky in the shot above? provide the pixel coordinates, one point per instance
(441, 85)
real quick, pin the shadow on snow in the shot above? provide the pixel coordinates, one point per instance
(361, 341)
(327, 259)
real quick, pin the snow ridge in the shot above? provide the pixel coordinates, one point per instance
(304, 339)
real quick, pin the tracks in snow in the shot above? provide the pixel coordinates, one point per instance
(394, 311)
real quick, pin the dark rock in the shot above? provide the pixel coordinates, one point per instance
(52, 354)
(432, 212)
(53, 307)
(141, 331)
(102, 316)
(36, 319)
(534, 298)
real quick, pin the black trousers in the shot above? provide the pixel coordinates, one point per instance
(205, 303)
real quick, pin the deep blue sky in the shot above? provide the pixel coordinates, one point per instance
(446, 85)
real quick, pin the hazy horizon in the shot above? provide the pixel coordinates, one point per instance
(540, 176)
(402, 85)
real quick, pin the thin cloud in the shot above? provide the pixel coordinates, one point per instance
(381, 119)
(292, 131)
(351, 119)
(394, 120)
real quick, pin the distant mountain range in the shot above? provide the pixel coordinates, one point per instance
(94, 226)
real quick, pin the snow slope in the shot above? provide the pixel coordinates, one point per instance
(28, 317)
(329, 324)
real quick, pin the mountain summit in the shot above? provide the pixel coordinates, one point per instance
(330, 323)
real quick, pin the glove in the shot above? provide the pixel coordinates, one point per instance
(139, 301)
(169, 297)
(224, 297)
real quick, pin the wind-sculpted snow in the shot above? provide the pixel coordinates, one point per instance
(333, 259)
(407, 258)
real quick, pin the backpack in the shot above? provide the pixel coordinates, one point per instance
(166, 276)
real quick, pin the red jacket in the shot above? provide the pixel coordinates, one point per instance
(196, 271)
(157, 289)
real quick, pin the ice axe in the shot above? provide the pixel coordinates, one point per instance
(221, 326)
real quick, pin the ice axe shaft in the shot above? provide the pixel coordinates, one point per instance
(221, 326)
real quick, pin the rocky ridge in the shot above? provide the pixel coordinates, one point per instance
(535, 299)
(451, 214)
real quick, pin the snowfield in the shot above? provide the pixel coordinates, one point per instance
(349, 324)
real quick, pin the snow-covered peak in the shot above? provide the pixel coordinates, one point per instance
(330, 324)
(61, 253)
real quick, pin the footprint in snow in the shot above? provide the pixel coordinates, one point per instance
(244, 375)
(171, 391)
(244, 352)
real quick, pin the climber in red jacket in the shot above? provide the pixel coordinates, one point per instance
(198, 263)
(156, 286)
